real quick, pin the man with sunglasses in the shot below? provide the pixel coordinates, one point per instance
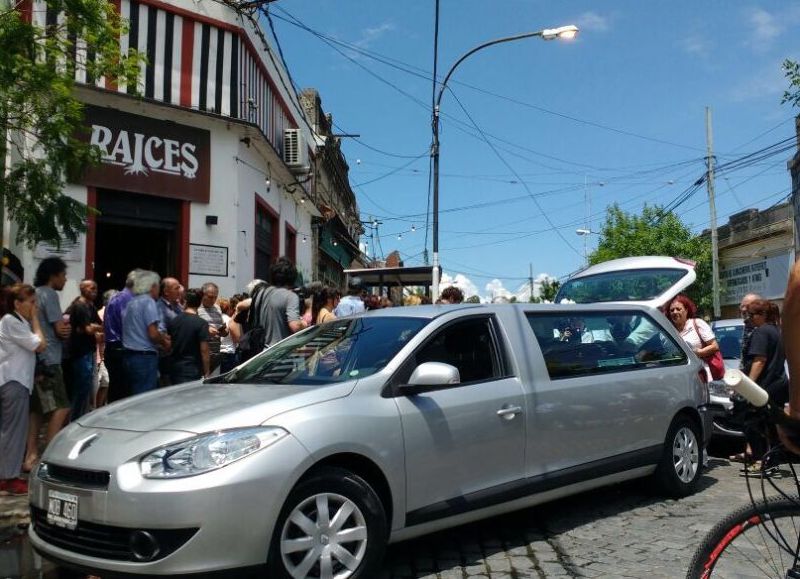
(748, 325)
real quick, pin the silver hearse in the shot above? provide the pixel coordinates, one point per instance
(306, 461)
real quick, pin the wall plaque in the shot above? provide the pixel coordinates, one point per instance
(147, 155)
(208, 260)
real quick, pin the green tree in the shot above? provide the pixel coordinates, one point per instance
(547, 291)
(473, 300)
(41, 116)
(656, 232)
(791, 69)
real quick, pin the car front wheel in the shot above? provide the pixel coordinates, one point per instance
(678, 473)
(333, 525)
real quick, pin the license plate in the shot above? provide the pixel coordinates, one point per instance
(62, 509)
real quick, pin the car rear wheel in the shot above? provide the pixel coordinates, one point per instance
(332, 526)
(678, 473)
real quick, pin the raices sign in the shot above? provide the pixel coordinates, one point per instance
(146, 155)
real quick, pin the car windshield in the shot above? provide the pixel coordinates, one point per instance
(729, 339)
(340, 350)
(620, 286)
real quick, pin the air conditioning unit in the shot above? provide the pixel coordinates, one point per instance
(295, 152)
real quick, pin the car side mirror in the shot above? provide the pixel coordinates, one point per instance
(431, 376)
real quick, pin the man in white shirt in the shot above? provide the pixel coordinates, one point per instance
(351, 304)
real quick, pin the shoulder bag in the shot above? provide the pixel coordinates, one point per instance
(715, 362)
(252, 341)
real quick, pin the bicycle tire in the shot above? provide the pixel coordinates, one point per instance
(758, 540)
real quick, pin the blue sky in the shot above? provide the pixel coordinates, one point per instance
(531, 129)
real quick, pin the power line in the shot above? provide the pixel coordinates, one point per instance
(424, 74)
(390, 173)
(459, 123)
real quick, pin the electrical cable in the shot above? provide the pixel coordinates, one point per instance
(459, 123)
(390, 173)
(424, 74)
(511, 168)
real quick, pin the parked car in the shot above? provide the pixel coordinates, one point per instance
(645, 280)
(729, 334)
(311, 457)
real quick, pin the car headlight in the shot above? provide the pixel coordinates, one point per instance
(207, 452)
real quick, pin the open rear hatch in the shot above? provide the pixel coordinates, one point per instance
(647, 280)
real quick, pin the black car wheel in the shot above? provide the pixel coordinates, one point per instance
(679, 470)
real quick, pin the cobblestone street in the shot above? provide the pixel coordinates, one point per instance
(621, 531)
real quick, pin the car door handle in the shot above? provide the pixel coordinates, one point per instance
(509, 412)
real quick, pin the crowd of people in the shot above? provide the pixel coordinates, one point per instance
(57, 365)
(762, 359)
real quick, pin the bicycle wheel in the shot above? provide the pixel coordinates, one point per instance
(754, 541)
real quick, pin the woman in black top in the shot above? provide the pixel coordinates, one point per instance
(765, 364)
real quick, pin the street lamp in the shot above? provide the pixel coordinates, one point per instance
(585, 233)
(562, 32)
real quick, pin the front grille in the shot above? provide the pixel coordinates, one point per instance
(74, 476)
(105, 541)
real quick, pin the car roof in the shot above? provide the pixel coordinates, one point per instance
(434, 311)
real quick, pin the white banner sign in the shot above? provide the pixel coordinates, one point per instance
(766, 276)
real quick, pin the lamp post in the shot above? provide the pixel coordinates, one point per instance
(585, 232)
(562, 32)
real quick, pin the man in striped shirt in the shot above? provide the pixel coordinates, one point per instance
(211, 313)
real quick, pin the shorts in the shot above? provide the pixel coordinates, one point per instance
(100, 376)
(49, 391)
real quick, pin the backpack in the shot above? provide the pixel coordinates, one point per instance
(252, 341)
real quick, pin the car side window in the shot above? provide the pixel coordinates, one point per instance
(600, 342)
(468, 345)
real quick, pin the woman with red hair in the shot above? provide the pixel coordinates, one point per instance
(696, 332)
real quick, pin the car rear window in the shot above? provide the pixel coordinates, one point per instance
(601, 342)
(729, 339)
(620, 286)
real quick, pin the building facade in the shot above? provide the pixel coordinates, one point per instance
(338, 228)
(207, 169)
(756, 252)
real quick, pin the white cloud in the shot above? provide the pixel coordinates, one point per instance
(696, 44)
(462, 282)
(370, 35)
(495, 288)
(765, 28)
(593, 21)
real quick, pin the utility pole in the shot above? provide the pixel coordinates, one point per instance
(530, 278)
(713, 210)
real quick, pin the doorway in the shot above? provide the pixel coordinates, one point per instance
(135, 231)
